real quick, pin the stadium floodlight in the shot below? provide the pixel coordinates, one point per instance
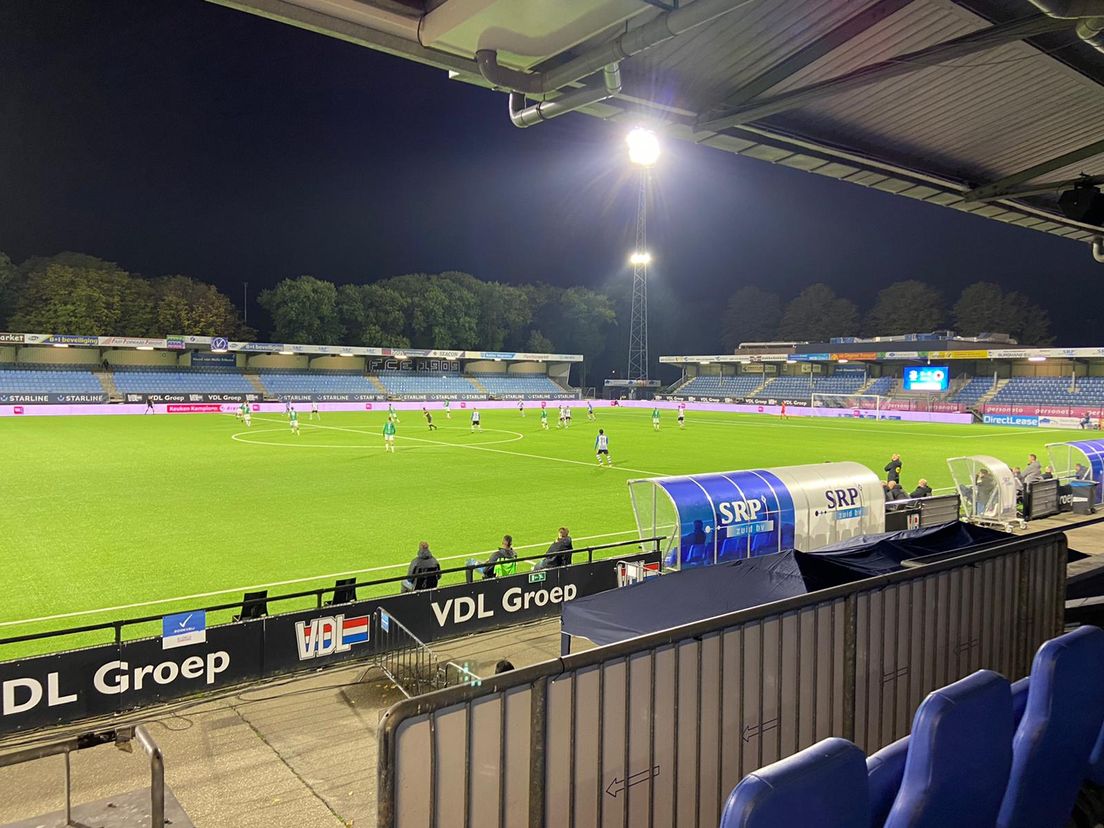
(842, 361)
(61, 345)
(1036, 359)
(640, 257)
(345, 353)
(144, 348)
(643, 147)
(286, 353)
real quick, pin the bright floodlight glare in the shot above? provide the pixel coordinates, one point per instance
(640, 257)
(643, 147)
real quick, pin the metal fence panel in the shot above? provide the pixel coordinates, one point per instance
(657, 730)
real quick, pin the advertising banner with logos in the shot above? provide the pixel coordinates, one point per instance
(332, 397)
(192, 398)
(52, 399)
(112, 678)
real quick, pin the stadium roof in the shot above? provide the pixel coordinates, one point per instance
(987, 106)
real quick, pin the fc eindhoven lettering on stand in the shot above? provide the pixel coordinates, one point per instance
(329, 634)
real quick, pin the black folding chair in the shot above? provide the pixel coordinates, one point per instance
(344, 591)
(254, 605)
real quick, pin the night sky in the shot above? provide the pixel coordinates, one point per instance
(175, 136)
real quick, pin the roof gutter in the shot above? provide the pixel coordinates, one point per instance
(523, 116)
(1088, 13)
(664, 27)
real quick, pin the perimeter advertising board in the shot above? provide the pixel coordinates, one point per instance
(112, 678)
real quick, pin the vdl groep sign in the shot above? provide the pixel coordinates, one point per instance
(728, 515)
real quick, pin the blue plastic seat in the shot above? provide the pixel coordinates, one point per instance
(1060, 725)
(884, 771)
(959, 756)
(823, 786)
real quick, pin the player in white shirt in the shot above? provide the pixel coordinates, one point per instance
(247, 417)
(601, 447)
(475, 426)
(567, 416)
(314, 415)
(590, 411)
(521, 407)
(682, 415)
(563, 416)
(287, 407)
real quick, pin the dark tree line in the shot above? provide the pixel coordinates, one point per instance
(75, 293)
(817, 313)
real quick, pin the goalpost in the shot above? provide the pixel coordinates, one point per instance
(848, 405)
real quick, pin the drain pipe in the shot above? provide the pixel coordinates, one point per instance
(664, 27)
(1088, 13)
(526, 116)
(1098, 249)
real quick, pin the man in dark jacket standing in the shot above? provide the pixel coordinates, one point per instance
(893, 469)
(424, 571)
(559, 553)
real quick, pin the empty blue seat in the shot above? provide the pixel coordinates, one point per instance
(823, 786)
(959, 755)
(1060, 725)
(884, 771)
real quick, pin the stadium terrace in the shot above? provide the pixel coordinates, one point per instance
(915, 376)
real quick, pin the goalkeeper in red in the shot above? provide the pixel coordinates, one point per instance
(601, 448)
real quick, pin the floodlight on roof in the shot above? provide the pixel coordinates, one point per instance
(643, 147)
(640, 257)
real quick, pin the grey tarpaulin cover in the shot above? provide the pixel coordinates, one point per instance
(695, 594)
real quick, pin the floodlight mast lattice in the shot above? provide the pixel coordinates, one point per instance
(643, 153)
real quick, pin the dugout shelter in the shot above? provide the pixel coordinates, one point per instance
(987, 488)
(723, 516)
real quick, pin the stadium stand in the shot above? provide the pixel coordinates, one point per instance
(277, 383)
(967, 761)
(1051, 391)
(400, 382)
(713, 386)
(973, 390)
(34, 381)
(881, 386)
(530, 386)
(182, 382)
(802, 387)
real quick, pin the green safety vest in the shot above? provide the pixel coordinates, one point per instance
(508, 567)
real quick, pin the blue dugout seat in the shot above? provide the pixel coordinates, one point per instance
(824, 786)
(959, 755)
(1060, 725)
(884, 771)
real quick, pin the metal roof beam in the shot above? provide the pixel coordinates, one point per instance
(811, 53)
(979, 41)
(1010, 183)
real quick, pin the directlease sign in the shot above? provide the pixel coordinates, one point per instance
(1021, 420)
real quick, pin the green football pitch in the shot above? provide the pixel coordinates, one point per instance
(124, 517)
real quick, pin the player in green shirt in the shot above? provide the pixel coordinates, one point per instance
(391, 413)
(544, 419)
(389, 436)
(655, 419)
(293, 419)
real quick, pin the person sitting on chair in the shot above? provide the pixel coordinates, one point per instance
(424, 571)
(559, 552)
(922, 489)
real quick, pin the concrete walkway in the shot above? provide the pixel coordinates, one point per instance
(300, 752)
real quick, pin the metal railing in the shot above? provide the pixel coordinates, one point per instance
(318, 594)
(657, 730)
(409, 662)
(122, 739)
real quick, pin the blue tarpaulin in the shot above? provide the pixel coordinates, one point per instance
(695, 594)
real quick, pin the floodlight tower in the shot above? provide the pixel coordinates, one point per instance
(643, 153)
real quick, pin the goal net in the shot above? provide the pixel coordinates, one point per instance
(860, 406)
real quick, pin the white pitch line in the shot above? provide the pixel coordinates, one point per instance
(199, 595)
(485, 448)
